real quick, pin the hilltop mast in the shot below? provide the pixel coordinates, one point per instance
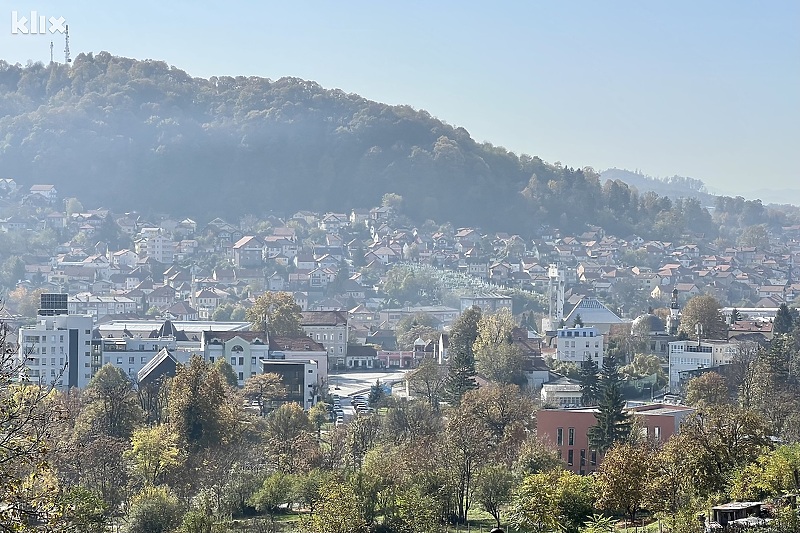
(51, 52)
(66, 46)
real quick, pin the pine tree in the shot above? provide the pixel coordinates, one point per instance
(613, 424)
(590, 382)
(461, 367)
(784, 320)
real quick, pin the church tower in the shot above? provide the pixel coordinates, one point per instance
(673, 320)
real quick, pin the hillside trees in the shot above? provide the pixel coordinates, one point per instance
(150, 126)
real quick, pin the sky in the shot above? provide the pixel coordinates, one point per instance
(709, 90)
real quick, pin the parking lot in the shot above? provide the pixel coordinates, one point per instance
(345, 388)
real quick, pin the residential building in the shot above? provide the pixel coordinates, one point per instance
(248, 252)
(488, 302)
(155, 244)
(328, 328)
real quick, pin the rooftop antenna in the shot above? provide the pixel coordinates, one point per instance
(51, 52)
(66, 46)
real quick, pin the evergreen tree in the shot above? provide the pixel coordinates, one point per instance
(461, 368)
(613, 424)
(376, 394)
(784, 320)
(590, 382)
(735, 316)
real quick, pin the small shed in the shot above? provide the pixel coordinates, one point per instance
(723, 514)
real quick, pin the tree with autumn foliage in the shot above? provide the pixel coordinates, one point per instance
(279, 312)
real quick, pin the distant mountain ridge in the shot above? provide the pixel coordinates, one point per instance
(673, 187)
(142, 135)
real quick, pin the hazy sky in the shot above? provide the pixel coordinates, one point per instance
(707, 89)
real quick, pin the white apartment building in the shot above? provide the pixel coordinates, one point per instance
(692, 355)
(153, 243)
(58, 350)
(579, 344)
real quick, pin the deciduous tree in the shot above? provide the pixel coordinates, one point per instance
(497, 357)
(622, 478)
(262, 389)
(703, 310)
(710, 389)
(281, 312)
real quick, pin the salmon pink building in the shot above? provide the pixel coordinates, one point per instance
(568, 430)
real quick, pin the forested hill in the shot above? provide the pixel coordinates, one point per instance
(129, 134)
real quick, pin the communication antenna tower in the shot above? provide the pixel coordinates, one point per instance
(51, 52)
(66, 46)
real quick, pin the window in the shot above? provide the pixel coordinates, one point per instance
(252, 360)
(341, 336)
(583, 457)
(593, 458)
(88, 332)
(241, 376)
(657, 432)
(144, 360)
(241, 361)
(131, 360)
(119, 360)
(233, 361)
(560, 437)
(571, 439)
(570, 457)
